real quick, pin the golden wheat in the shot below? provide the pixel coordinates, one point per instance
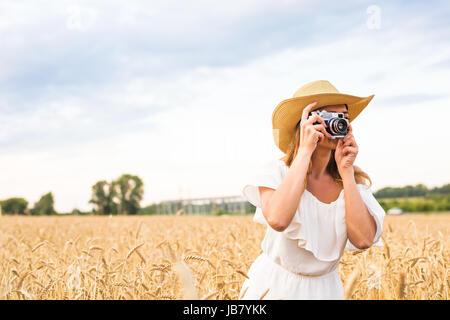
(199, 257)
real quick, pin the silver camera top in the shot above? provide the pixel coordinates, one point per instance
(328, 115)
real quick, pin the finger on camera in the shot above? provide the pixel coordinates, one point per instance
(321, 128)
(306, 111)
(315, 118)
(347, 136)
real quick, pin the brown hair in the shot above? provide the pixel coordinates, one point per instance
(291, 153)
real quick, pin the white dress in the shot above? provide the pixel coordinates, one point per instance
(301, 261)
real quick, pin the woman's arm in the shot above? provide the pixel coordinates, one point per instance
(279, 206)
(361, 226)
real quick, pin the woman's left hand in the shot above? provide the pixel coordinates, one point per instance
(346, 151)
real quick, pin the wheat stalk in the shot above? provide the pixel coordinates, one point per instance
(264, 294)
(40, 244)
(132, 250)
(209, 295)
(243, 293)
(242, 273)
(350, 285)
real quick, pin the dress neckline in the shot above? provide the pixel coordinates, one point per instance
(324, 203)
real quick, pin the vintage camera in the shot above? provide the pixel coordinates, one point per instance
(337, 124)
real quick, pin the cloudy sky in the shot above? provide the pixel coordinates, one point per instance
(181, 93)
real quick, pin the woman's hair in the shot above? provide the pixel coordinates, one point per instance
(360, 176)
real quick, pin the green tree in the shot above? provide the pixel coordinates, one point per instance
(129, 190)
(445, 189)
(44, 206)
(150, 209)
(419, 190)
(103, 194)
(14, 205)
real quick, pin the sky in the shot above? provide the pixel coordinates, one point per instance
(181, 93)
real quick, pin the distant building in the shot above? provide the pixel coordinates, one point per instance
(395, 211)
(204, 206)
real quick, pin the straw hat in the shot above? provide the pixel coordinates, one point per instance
(289, 112)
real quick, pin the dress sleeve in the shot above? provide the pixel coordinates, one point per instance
(377, 213)
(270, 178)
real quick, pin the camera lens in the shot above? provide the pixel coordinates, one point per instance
(342, 125)
(338, 126)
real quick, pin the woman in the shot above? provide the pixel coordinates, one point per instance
(314, 200)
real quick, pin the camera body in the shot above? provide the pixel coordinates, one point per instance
(337, 124)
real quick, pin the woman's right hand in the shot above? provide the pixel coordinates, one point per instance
(311, 135)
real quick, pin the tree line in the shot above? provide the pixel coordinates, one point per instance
(20, 206)
(416, 198)
(119, 196)
(418, 190)
(124, 194)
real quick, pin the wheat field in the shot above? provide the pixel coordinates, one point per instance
(199, 257)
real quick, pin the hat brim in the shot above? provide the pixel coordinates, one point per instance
(289, 112)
